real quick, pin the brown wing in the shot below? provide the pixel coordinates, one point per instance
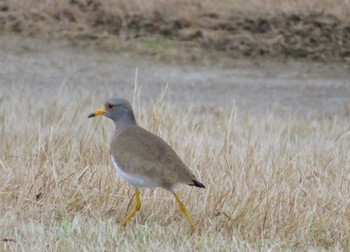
(141, 152)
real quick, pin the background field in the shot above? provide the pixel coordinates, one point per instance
(190, 30)
(267, 135)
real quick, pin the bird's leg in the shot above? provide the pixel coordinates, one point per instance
(137, 208)
(183, 209)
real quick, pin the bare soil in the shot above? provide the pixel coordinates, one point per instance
(57, 69)
(315, 36)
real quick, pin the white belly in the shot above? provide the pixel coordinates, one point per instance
(135, 180)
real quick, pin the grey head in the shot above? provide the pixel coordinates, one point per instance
(117, 109)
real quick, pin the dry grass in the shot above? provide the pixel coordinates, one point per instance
(338, 8)
(272, 181)
(186, 8)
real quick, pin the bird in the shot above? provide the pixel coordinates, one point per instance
(142, 158)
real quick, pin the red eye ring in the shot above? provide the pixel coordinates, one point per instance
(110, 106)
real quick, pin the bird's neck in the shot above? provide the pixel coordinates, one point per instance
(122, 125)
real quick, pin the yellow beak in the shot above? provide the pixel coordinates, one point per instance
(98, 112)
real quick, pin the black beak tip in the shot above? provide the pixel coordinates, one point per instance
(92, 115)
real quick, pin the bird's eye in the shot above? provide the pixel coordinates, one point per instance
(110, 106)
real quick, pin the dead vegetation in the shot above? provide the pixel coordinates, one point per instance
(317, 30)
(273, 182)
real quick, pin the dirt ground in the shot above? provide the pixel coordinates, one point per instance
(57, 69)
(312, 34)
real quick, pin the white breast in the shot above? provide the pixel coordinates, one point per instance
(135, 180)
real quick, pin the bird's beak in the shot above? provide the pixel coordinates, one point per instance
(98, 112)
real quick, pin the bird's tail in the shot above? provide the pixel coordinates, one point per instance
(197, 183)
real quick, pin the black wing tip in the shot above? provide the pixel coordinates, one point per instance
(197, 184)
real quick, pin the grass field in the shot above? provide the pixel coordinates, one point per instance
(272, 182)
(276, 167)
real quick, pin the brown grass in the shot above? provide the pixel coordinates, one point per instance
(339, 8)
(273, 182)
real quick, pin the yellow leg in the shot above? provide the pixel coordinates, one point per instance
(137, 207)
(183, 209)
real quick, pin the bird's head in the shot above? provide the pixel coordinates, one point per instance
(117, 109)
